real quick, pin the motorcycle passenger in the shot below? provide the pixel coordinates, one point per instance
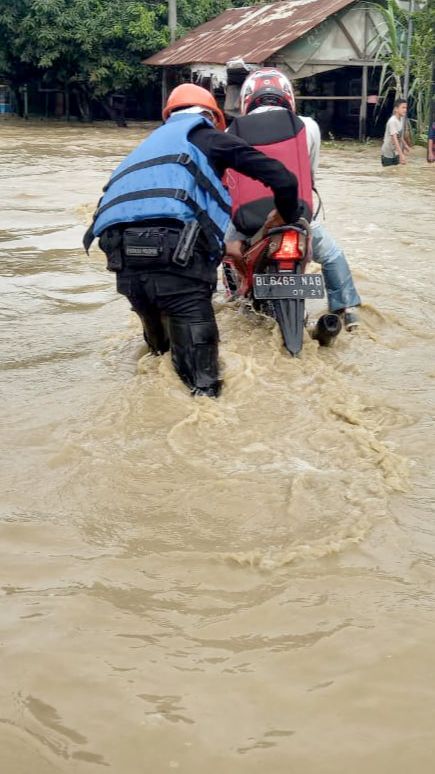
(269, 122)
(162, 220)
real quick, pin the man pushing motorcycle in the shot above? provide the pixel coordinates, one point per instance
(161, 222)
(269, 122)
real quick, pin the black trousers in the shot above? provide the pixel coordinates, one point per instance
(387, 162)
(177, 315)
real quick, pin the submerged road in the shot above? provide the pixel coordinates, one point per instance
(237, 586)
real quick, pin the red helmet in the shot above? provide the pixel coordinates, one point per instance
(267, 86)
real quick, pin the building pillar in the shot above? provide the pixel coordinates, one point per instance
(25, 102)
(363, 107)
(164, 86)
(66, 98)
(172, 19)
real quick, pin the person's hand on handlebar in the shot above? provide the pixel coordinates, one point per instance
(273, 220)
(234, 250)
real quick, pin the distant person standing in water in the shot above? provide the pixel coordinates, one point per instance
(394, 146)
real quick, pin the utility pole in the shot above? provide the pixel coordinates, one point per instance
(172, 18)
(408, 49)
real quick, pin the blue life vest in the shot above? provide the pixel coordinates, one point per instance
(167, 176)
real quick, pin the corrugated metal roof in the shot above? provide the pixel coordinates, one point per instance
(254, 33)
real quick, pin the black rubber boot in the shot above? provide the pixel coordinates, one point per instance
(194, 349)
(210, 392)
(154, 332)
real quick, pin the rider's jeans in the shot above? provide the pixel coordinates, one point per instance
(340, 288)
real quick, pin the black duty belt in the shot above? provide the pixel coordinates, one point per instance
(145, 245)
(150, 246)
(213, 233)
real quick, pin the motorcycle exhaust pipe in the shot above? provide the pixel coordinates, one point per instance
(328, 326)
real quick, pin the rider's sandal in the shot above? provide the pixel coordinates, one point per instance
(350, 318)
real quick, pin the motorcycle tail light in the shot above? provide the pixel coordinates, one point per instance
(289, 248)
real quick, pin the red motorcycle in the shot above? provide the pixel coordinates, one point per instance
(272, 276)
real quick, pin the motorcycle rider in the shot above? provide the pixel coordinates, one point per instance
(162, 220)
(269, 122)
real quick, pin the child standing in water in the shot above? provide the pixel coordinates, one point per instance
(394, 146)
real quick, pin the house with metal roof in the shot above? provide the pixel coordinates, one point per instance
(327, 47)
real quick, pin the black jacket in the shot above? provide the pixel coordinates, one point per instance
(225, 150)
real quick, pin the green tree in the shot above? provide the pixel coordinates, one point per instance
(11, 14)
(93, 47)
(392, 47)
(191, 14)
(422, 59)
(392, 54)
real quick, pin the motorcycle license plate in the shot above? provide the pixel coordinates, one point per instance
(269, 286)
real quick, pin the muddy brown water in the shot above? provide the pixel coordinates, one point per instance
(245, 585)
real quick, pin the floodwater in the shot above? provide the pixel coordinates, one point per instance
(237, 586)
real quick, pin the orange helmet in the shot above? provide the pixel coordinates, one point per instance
(190, 95)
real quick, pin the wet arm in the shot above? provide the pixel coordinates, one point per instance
(396, 143)
(313, 141)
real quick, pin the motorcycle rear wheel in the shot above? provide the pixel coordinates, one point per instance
(290, 316)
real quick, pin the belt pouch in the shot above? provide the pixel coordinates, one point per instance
(143, 247)
(110, 243)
